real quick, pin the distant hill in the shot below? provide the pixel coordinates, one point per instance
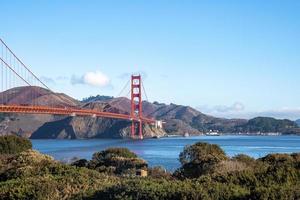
(267, 124)
(178, 119)
(298, 122)
(36, 95)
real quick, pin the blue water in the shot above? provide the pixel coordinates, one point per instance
(165, 151)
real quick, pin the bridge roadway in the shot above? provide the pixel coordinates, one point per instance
(68, 111)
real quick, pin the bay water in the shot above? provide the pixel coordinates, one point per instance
(165, 151)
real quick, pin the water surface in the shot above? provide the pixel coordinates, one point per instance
(165, 151)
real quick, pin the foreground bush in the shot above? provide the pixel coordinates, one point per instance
(149, 189)
(24, 164)
(159, 172)
(117, 161)
(200, 159)
(31, 175)
(12, 144)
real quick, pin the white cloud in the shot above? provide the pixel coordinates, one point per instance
(223, 109)
(97, 79)
(236, 107)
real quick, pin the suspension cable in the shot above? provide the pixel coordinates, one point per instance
(24, 65)
(7, 65)
(29, 72)
(119, 95)
(144, 91)
(123, 89)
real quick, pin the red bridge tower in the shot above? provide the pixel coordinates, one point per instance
(136, 106)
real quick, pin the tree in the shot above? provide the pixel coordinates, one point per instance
(12, 144)
(200, 158)
(116, 160)
(80, 163)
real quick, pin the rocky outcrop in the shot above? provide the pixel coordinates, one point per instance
(80, 128)
(22, 124)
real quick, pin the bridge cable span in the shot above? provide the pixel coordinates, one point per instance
(25, 74)
(14, 74)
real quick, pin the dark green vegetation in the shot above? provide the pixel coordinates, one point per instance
(255, 125)
(114, 161)
(199, 159)
(266, 124)
(12, 144)
(206, 173)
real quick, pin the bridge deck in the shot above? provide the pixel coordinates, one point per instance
(67, 111)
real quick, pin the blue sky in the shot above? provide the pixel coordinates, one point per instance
(226, 58)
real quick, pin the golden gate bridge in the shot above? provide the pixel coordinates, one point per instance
(15, 73)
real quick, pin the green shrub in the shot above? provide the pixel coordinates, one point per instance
(200, 158)
(114, 152)
(80, 163)
(159, 173)
(152, 189)
(24, 164)
(116, 161)
(277, 159)
(202, 152)
(278, 168)
(296, 157)
(275, 192)
(12, 144)
(31, 175)
(246, 178)
(244, 159)
(29, 189)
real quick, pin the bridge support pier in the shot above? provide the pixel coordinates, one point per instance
(141, 130)
(132, 129)
(137, 126)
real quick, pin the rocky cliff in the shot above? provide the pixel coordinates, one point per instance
(25, 125)
(49, 126)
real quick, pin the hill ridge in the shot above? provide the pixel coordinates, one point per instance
(179, 118)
